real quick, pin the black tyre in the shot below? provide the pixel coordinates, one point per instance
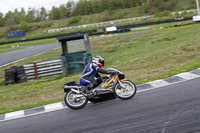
(74, 100)
(128, 91)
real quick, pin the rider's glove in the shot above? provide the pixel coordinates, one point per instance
(112, 73)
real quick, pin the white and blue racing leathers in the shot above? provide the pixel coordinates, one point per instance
(91, 71)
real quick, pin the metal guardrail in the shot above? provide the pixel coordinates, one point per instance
(98, 24)
(43, 69)
(110, 22)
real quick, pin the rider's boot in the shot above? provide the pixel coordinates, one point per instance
(86, 90)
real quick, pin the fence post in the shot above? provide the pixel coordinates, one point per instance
(36, 72)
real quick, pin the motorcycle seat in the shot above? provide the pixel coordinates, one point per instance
(73, 83)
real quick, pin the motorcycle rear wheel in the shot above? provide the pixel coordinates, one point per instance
(125, 93)
(74, 100)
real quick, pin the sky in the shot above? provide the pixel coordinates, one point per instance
(11, 5)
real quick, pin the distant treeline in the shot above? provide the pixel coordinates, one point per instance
(86, 7)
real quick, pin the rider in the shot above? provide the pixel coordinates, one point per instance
(92, 70)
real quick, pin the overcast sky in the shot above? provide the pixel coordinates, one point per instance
(11, 5)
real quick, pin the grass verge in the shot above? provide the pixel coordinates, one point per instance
(29, 43)
(9, 50)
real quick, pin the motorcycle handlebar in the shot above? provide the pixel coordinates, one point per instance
(115, 70)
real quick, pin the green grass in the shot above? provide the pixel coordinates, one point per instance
(29, 43)
(9, 50)
(141, 57)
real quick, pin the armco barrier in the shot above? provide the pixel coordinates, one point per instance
(43, 69)
(23, 73)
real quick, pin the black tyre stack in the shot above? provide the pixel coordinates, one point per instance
(10, 76)
(15, 74)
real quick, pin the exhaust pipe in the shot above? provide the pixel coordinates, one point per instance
(75, 91)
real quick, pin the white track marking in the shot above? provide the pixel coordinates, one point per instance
(188, 75)
(13, 115)
(54, 106)
(158, 83)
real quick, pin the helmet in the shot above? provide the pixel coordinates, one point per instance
(98, 60)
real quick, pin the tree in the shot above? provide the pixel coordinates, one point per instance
(9, 15)
(63, 11)
(19, 16)
(96, 6)
(42, 15)
(30, 16)
(22, 15)
(85, 7)
(79, 9)
(10, 22)
(24, 26)
(70, 6)
(2, 20)
(54, 14)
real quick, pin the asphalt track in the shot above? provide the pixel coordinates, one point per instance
(14, 56)
(170, 109)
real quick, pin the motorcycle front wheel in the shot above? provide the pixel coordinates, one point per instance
(127, 91)
(74, 100)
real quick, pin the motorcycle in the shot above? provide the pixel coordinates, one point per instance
(111, 87)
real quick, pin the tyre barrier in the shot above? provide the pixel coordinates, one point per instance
(15, 74)
(151, 23)
(178, 25)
